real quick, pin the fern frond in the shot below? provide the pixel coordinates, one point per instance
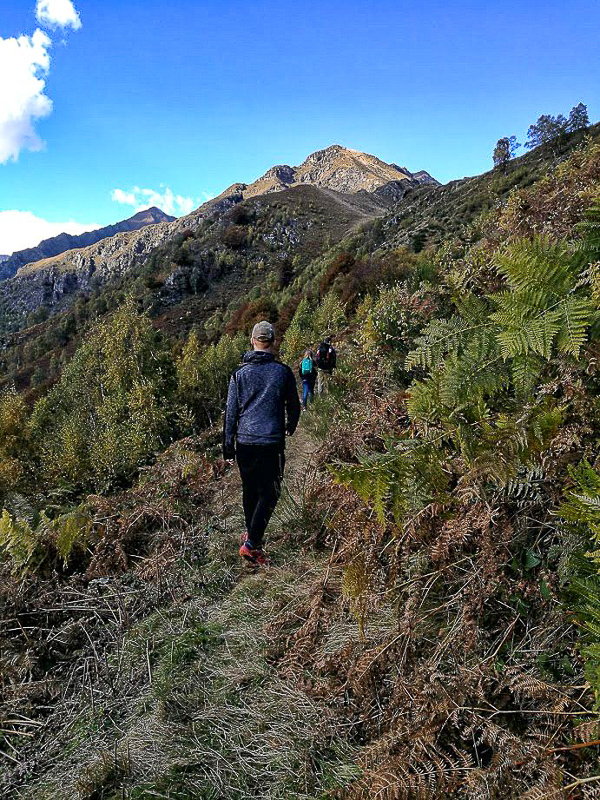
(589, 229)
(537, 263)
(439, 338)
(576, 318)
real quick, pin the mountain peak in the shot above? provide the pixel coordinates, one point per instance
(153, 213)
(328, 152)
(335, 167)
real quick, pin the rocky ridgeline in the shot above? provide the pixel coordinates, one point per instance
(65, 241)
(338, 168)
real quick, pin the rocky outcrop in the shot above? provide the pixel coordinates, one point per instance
(392, 192)
(422, 176)
(9, 265)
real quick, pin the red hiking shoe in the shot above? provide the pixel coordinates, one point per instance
(256, 558)
(247, 552)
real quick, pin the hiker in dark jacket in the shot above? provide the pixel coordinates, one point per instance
(308, 375)
(262, 407)
(326, 362)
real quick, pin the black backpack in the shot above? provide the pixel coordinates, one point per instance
(325, 356)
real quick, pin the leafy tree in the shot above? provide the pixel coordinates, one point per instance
(505, 150)
(109, 411)
(578, 118)
(300, 333)
(546, 129)
(203, 376)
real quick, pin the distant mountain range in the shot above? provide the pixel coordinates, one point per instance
(353, 186)
(9, 265)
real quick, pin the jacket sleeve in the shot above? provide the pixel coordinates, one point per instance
(292, 403)
(333, 358)
(230, 422)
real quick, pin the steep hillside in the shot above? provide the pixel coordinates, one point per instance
(197, 270)
(233, 260)
(304, 219)
(432, 214)
(430, 627)
(65, 241)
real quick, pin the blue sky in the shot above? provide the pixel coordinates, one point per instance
(192, 96)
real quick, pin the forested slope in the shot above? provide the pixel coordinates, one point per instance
(430, 628)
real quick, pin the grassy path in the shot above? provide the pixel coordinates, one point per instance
(192, 704)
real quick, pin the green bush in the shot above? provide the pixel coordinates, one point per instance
(309, 326)
(16, 466)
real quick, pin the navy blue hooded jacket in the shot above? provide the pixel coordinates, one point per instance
(262, 403)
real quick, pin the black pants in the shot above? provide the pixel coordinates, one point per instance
(261, 469)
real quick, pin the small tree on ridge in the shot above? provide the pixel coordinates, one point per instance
(505, 150)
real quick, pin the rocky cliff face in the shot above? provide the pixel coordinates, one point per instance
(64, 241)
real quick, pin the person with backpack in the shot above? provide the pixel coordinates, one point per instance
(308, 376)
(326, 362)
(262, 407)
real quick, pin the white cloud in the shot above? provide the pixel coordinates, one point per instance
(174, 204)
(57, 14)
(24, 62)
(21, 229)
(126, 198)
(24, 65)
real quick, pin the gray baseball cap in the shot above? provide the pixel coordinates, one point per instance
(263, 332)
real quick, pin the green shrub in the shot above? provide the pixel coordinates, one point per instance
(309, 326)
(300, 333)
(15, 445)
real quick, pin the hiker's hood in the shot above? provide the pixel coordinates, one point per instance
(257, 357)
